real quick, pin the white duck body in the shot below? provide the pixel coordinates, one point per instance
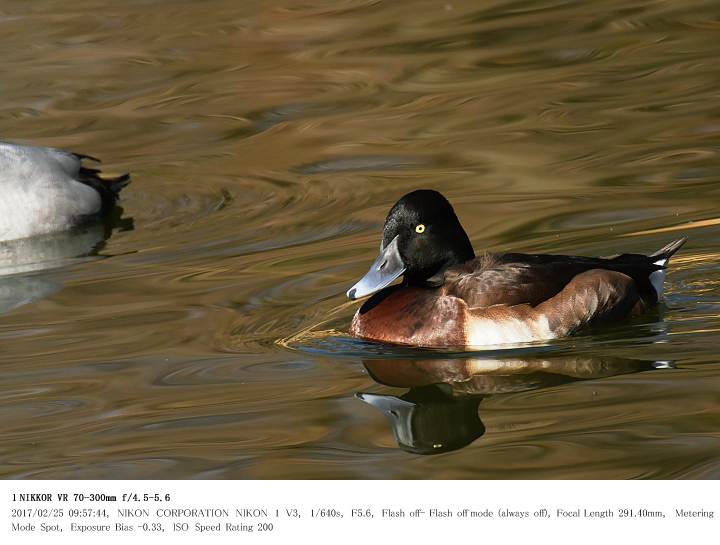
(41, 191)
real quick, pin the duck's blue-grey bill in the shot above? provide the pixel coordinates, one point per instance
(386, 403)
(386, 268)
(398, 411)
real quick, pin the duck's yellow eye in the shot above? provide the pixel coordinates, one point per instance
(420, 228)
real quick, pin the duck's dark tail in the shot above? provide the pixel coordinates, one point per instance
(664, 254)
(661, 258)
(108, 188)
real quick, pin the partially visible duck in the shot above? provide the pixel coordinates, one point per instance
(450, 297)
(43, 190)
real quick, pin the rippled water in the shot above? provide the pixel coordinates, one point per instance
(206, 337)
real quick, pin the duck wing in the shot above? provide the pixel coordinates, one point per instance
(48, 168)
(531, 279)
(30, 162)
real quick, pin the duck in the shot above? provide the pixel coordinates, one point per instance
(450, 297)
(45, 190)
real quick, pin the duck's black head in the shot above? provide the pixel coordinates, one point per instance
(422, 237)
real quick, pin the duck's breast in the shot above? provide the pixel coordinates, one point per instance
(410, 315)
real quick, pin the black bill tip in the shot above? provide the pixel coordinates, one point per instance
(351, 294)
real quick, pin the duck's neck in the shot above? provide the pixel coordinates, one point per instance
(458, 254)
(463, 251)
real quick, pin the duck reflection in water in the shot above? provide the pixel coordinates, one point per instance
(440, 411)
(30, 268)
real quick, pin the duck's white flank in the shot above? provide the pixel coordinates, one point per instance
(483, 331)
(40, 193)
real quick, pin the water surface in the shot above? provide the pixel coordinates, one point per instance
(267, 141)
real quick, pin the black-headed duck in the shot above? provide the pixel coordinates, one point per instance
(46, 190)
(450, 297)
